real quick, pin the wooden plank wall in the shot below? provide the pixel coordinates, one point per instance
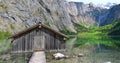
(26, 42)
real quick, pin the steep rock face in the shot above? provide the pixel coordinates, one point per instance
(111, 15)
(85, 14)
(16, 15)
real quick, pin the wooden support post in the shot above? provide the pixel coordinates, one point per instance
(38, 57)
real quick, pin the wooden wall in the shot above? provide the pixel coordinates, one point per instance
(26, 43)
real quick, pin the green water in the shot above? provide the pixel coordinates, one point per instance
(98, 48)
(97, 38)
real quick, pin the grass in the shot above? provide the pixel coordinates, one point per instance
(4, 35)
(79, 27)
(4, 41)
(4, 45)
(4, 7)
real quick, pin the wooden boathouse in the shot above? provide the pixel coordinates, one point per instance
(38, 38)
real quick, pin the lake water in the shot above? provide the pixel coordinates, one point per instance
(97, 49)
(101, 49)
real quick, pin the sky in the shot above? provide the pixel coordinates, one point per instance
(97, 1)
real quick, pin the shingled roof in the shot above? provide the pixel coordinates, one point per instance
(21, 33)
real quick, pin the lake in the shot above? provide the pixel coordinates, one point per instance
(95, 48)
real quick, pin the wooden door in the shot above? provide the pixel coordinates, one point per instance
(39, 43)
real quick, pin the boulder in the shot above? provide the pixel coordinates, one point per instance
(108, 62)
(67, 57)
(58, 55)
(80, 55)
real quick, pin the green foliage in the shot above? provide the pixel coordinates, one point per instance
(47, 23)
(12, 26)
(94, 39)
(115, 30)
(93, 35)
(106, 35)
(80, 28)
(3, 6)
(4, 35)
(4, 45)
(93, 26)
(67, 32)
(4, 42)
(104, 29)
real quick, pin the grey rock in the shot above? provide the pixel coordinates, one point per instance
(21, 14)
(85, 14)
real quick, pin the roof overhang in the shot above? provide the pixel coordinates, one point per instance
(39, 25)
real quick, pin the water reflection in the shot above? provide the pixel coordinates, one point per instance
(100, 50)
(94, 49)
(97, 49)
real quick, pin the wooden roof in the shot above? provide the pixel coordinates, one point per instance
(21, 33)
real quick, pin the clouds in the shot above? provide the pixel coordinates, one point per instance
(97, 1)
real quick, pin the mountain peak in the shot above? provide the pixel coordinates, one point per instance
(107, 6)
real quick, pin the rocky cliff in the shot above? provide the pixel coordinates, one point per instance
(89, 14)
(113, 14)
(16, 15)
(85, 14)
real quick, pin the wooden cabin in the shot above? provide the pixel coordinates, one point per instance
(36, 38)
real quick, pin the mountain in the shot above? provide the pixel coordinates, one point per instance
(16, 15)
(115, 30)
(110, 4)
(85, 14)
(107, 6)
(111, 15)
(90, 14)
